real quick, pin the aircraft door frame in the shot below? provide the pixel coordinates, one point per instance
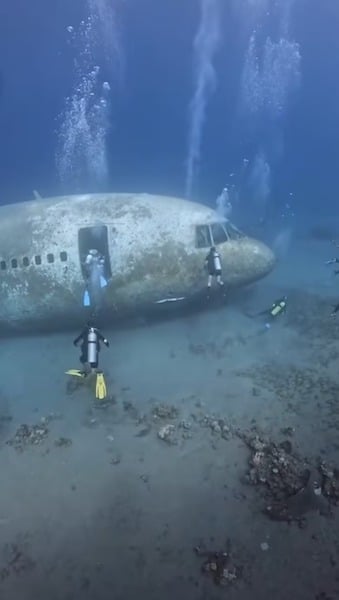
(94, 237)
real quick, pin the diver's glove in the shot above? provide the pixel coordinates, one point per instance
(106, 342)
(75, 343)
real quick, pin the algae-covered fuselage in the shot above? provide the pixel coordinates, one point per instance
(154, 248)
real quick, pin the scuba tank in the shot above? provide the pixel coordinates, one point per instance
(278, 307)
(216, 261)
(92, 339)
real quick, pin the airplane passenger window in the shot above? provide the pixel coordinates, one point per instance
(203, 236)
(50, 258)
(25, 261)
(3, 265)
(63, 256)
(37, 260)
(218, 233)
(14, 263)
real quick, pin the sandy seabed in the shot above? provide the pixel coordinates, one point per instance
(102, 508)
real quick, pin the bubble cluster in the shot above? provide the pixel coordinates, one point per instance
(267, 82)
(81, 155)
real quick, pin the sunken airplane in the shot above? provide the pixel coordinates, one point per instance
(153, 247)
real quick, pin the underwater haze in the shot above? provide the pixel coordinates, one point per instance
(208, 467)
(170, 97)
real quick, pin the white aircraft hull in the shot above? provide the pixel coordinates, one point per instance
(150, 248)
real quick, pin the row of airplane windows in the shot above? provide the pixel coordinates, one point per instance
(14, 263)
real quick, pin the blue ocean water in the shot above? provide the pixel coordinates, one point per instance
(233, 103)
(257, 80)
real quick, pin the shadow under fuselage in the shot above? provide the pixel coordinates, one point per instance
(110, 318)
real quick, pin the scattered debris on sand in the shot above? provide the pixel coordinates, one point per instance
(217, 425)
(74, 383)
(130, 409)
(144, 431)
(301, 384)
(63, 442)
(28, 435)
(170, 432)
(35, 435)
(186, 429)
(108, 402)
(90, 421)
(167, 434)
(165, 412)
(16, 559)
(51, 417)
(290, 487)
(220, 565)
(217, 350)
(171, 427)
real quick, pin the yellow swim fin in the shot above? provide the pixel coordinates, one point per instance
(76, 373)
(100, 387)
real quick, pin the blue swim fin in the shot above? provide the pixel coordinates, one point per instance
(86, 299)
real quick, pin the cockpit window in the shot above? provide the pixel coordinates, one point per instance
(232, 231)
(203, 236)
(218, 233)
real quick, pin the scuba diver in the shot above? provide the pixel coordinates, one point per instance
(94, 257)
(94, 267)
(90, 347)
(224, 206)
(333, 261)
(213, 265)
(278, 308)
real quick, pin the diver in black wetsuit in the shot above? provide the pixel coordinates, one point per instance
(96, 281)
(213, 265)
(278, 308)
(90, 345)
(333, 261)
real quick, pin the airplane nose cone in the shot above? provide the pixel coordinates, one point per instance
(263, 258)
(246, 260)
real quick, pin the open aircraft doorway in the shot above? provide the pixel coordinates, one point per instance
(95, 237)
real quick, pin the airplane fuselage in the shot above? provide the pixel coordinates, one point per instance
(154, 248)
